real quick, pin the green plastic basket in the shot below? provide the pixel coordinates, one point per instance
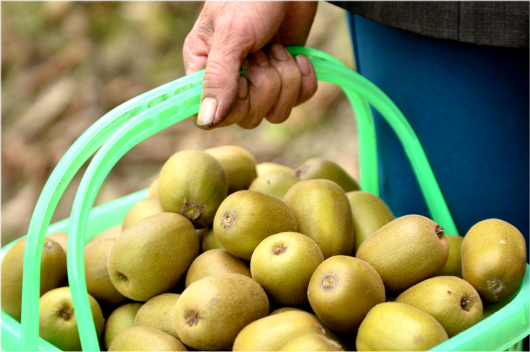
(132, 122)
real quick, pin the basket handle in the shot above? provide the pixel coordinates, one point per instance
(132, 122)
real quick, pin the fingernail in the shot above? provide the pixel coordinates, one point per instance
(279, 52)
(304, 64)
(261, 58)
(243, 88)
(207, 111)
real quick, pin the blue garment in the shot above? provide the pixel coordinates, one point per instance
(469, 106)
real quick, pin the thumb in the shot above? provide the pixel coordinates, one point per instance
(221, 77)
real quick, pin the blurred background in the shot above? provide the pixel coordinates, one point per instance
(66, 64)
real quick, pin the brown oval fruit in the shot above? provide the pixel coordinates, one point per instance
(246, 218)
(453, 266)
(158, 313)
(450, 300)
(152, 255)
(319, 168)
(323, 213)
(145, 338)
(399, 327)
(141, 210)
(193, 183)
(342, 290)
(283, 264)
(273, 332)
(494, 259)
(215, 262)
(406, 251)
(211, 312)
(52, 273)
(239, 164)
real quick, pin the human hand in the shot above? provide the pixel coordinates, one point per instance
(234, 35)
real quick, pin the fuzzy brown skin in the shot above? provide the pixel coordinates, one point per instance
(57, 319)
(283, 264)
(323, 213)
(193, 183)
(273, 332)
(52, 274)
(449, 299)
(453, 266)
(342, 290)
(239, 164)
(268, 168)
(274, 184)
(120, 319)
(113, 233)
(406, 251)
(211, 312)
(158, 313)
(399, 327)
(153, 189)
(144, 338)
(209, 241)
(330, 334)
(141, 210)
(152, 255)
(319, 168)
(311, 342)
(61, 238)
(97, 277)
(216, 262)
(494, 259)
(369, 214)
(245, 218)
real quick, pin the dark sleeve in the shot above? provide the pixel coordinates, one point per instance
(484, 22)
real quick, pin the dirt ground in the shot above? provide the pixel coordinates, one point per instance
(66, 64)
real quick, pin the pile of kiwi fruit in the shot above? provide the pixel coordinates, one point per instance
(228, 254)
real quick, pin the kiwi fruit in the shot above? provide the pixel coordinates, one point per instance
(112, 233)
(323, 213)
(330, 334)
(283, 264)
(209, 241)
(52, 273)
(152, 255)
(158, 313)
(268, 168)
(319, 168)
(449, 299)
(369, 214)
(395, 326)
(193, 183)
(494, 259)
(58, 322)
(274, 184)
(245, 218)
(97, 278)
(120, 319)
(211, 312)
(152, 192)
(342, 290)
(311, 342)
(406, 251)
(275, 331)
(453, 266)
(145, 338)
(141, 210)
(61, 238)
(239, 164)
(215, 262)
